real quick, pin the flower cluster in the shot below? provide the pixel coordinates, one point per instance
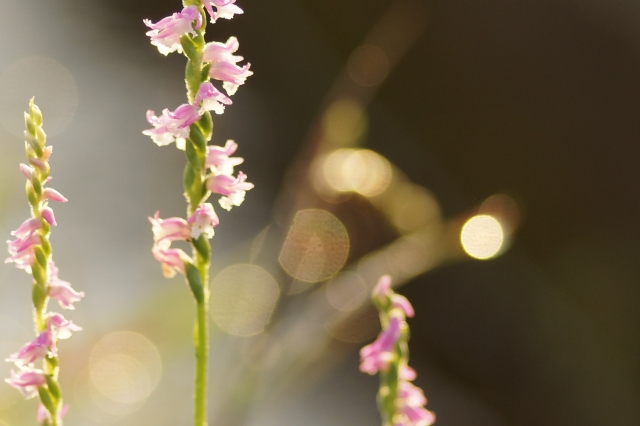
(31, 251)
(401, 403)
(210, 168)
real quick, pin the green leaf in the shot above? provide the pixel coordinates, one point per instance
(192, 156)
(39, 296)
(206, 125)
(193, 277)
(54, 389)
(195, 135)
(47, 400)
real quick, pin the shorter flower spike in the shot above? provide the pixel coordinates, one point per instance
(225, 9)
(27, 381)
(401, 403)
(166, 33)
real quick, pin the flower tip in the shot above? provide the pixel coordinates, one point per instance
(53, 195)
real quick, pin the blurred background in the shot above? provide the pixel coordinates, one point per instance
(483, 153)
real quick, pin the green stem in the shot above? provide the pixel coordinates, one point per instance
(202, 357)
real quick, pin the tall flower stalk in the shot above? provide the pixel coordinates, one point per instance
(30, 250)
(400, 402)
(209, 169)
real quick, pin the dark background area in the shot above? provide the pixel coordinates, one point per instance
(538, 100)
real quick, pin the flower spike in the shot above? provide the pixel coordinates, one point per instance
(401, 403)
(31, 250)
(209, 169)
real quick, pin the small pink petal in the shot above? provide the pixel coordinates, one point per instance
(53, 195)
(47, 214)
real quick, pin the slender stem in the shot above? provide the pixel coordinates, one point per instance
(202, 357)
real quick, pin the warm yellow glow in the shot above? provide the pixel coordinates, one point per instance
(125, 367)
(52, 85)
(357, 170)
(482, 237)
(344, 123)
(316, 247)
(368, 66)
(243, 298)
(412, 207)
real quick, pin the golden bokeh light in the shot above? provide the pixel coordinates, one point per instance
(243, 298)
(346, 291)
(125, 367)
(316, 246)
(52, 85)
(357, 170)
(344, 123)
(482, 237)
(368, 65)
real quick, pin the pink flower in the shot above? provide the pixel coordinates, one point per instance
(43, 414)
(225, 9)
(27, 228)
(171, 229)
(172, 126)
(224, 64)
(379, 354)
(410, 407)
(61, 290)
(41, 164)
(33, 351)
(233, 189)
(27, 381)
(27, 171)
(60, 327)
(47, 214)
(210, 99)
(171, 260)
(400, 302)
(382, 290)
(203, 220)
(407, 373)
(22, 248)
(166, 33)
(219, 159)
(164, 232)
(53, 195)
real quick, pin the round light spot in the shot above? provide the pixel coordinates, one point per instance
(346, 291)
(242, 299)
(368, 66)
(482, 237)
(52, 85)
(316, 247)
(357, 170)
(125, 367)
